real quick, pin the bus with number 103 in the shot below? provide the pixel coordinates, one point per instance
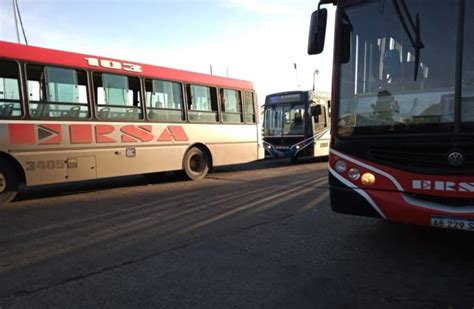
(403, 109)
(68, 117)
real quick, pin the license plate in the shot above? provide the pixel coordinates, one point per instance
(453, 223)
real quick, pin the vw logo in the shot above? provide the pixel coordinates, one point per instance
(455, 158)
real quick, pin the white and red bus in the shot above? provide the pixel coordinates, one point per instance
(68, 117)
(402, 144)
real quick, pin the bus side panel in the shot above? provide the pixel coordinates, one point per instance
(61, 166)
(43, 167)
(228, 144)
(52, 152)
(321, 145)
(223, 154)
(131, 160)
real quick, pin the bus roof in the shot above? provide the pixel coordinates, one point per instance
(76, 60)
(295, 96)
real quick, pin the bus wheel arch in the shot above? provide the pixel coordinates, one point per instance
(197, 161)
(12, 176)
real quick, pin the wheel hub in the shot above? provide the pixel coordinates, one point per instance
(196, 164)
(3, 182)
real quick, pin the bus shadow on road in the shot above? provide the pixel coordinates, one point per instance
(270, 163)
(88, 186)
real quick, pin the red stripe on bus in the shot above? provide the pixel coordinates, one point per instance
(62, 58)
(133, 133)
(53, 134)
(178, 133)
(80, 133)
(147, 128)
(101, 130)
(22, 134)
(165, 136)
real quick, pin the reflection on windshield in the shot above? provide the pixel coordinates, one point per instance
(378, 91)
(467, 110)
(284, 120)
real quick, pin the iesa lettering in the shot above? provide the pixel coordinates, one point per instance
(438, 185)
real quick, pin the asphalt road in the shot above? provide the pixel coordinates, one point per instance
(256, 235)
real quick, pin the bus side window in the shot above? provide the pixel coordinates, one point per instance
(117, 97)
(202, 102)
(323, 116)
(164, 100)
(249, 108)
(319, 115)
(231, 106)
(10, 104)
(57, 92)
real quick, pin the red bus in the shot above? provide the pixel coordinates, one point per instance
(68, 117)
(402, 145)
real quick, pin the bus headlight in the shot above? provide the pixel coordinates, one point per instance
(368, 179)
(341, 166)
(353, 173)
(298, 147)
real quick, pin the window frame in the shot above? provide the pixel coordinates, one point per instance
(216, 102)
(21, 90)
(94, 94)
(254, 107)
(222, 104)
(27, 101)
(183, 98)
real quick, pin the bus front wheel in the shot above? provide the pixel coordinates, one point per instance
(196, 163)
(9, 184)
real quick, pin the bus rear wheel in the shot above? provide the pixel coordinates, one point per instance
(9, 184)
(196, 164)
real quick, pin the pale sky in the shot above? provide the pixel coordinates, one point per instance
(256, 40)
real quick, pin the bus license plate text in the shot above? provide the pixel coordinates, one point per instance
(453, 223)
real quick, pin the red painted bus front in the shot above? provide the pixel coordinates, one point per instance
(403, 111)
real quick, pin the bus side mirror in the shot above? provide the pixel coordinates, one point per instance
(316, 110)
(317, 31)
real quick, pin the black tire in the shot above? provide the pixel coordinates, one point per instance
(9, 183)
(196, 164)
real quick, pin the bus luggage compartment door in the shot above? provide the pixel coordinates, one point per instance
(81, 168)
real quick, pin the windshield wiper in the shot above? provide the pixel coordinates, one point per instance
(403, 15)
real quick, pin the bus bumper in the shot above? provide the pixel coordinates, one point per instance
(347, 201)
(300, 149)
(364, 188)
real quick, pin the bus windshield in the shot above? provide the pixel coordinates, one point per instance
(381, 90)
(284, 120)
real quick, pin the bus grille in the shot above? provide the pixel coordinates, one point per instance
(449, 201)
(431, 159)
